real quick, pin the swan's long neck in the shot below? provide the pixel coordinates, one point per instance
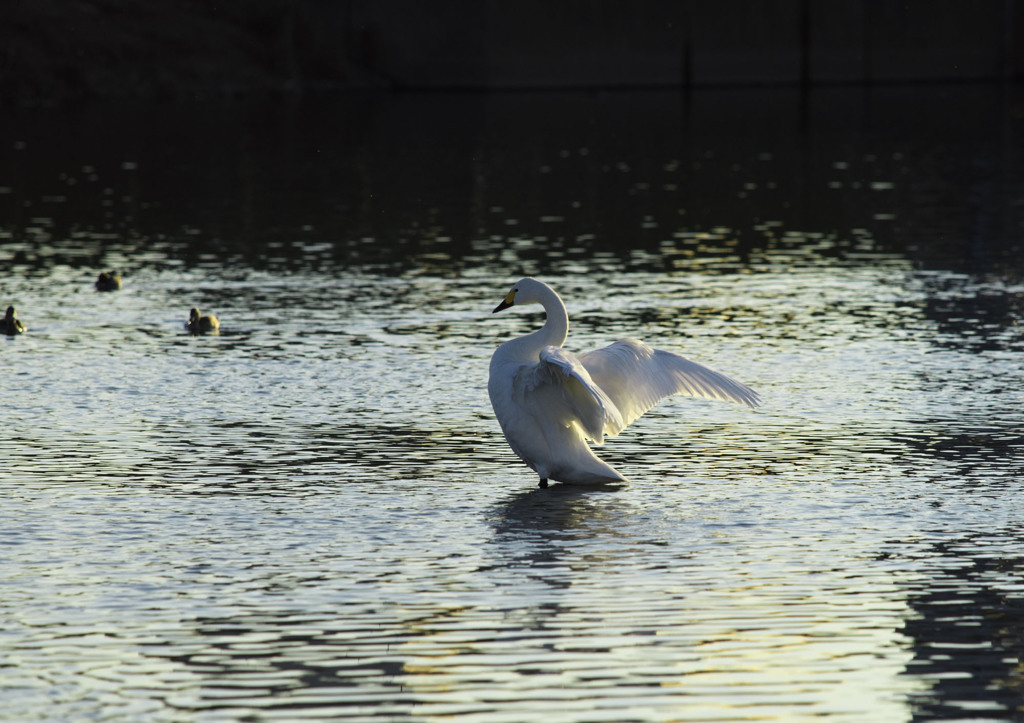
(555, 329)
(553, 333)
(556, 325)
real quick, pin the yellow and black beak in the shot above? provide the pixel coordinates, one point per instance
(509, 301)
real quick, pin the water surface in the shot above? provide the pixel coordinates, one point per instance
(314, 514)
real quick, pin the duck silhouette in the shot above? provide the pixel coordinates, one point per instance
(11, 325)
(200, 324)
(108, 281)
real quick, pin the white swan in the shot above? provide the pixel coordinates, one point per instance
(549, 401)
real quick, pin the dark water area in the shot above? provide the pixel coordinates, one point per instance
(929, 173)
(314, 514)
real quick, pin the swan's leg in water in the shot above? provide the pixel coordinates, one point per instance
(543, 483)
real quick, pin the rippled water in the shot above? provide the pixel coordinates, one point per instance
(314, 513)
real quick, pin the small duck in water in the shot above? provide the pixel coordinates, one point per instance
(10, 324)
(199, 324)
(108, 281)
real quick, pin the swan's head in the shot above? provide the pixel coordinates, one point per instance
(193, 316)
(525, 291)
(11, 314)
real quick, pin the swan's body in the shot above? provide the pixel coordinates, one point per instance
(202, 324)
(550, 402)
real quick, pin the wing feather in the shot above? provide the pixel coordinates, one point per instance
(635, 377)
(570, 395)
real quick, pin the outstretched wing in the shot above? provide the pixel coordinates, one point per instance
(636, 377)
(563, 387)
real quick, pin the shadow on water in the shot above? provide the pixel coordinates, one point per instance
(560, 536)
(968, 629)
(560, 511)
(540, 528)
